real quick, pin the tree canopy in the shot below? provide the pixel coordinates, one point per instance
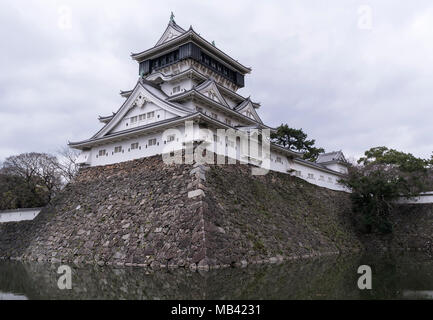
(296, 140)
(33, 179)
(381, 177)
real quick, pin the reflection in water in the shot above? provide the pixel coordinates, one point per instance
(11, 296)
(418, 294)
(394, 277)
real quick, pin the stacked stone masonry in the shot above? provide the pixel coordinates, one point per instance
(146, 213)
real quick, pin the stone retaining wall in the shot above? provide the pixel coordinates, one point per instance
(147, 213)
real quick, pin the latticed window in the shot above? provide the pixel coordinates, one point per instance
(171, 138)
(118, 149)
(134, 146)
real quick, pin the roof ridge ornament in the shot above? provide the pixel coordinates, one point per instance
(172, 16)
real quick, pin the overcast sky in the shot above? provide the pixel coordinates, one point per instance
(352, 74)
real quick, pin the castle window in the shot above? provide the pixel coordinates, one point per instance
(199, 109)
(310, 176)
(152, 142)
(171, 138)
(228, 121)
(134, 146)
(102, 153)
(322, 178)
(118, 149)
(134, 119)
(142, 117)
(279, 160)
(150, 114)
(176, 89)
(214, 115)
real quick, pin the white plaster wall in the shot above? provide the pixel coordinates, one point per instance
(426, 197)
(18, 215)
(337, 167)
(160, 115)
(185, 85)
(320, 178)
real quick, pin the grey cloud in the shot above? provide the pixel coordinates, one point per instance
(350, 89)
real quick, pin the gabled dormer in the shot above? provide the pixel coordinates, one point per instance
(209, 89)
(248, 108)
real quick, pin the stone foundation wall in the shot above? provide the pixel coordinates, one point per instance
(146, 213)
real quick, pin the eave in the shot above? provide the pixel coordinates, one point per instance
(318, 167)
(191, 94)
(285, 150)
(193, 72)
(126, 94)
(146, 129)
(125, 134)
(191, 36)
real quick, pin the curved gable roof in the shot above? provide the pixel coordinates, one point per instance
(172, 31)
(149, 94)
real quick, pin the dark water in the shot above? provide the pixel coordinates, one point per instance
(408, 276)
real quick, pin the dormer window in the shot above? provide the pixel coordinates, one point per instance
(176, 89)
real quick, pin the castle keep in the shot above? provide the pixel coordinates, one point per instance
(186, 94)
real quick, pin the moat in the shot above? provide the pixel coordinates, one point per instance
(395, 276)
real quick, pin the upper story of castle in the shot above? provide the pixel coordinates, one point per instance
(182, 54)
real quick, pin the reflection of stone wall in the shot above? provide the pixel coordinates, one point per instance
(312, 279)
(324, 278)
(143, 212)
(412, 230)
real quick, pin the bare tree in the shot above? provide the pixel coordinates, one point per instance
(38, 170)
(67, 163)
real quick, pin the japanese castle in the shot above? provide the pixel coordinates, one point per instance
(184, 79)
